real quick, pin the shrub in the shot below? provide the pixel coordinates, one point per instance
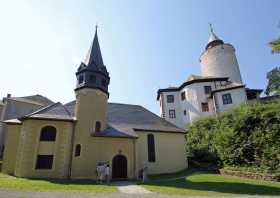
(247, 136)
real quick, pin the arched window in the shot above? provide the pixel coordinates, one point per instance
(48, 133)
(78, 150)
(151, 148)
(97, 126)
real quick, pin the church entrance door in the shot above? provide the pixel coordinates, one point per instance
(119, 169)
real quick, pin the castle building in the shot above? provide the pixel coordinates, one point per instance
(217, 89)
(43, 139)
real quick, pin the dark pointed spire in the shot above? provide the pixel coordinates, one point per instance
(92, 73)
(94, 56)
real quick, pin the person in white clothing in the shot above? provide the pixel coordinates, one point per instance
(100, 172)
(145, 173)
(107, 173)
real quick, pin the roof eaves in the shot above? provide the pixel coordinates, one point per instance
(254, 90)
(226, 89)
(111, 136)
(51, 118)
(13, 122)
(190, 82)
(39, 111)
(160, 130)
(25, 100)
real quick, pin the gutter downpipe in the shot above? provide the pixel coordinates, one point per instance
(71, 151)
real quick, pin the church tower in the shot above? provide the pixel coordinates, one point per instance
(92, 92)
(219, 59)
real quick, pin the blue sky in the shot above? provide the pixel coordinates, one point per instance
(145, 44)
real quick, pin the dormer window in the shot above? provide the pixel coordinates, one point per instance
(81, 79)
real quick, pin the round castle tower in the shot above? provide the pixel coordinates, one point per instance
(219, 59)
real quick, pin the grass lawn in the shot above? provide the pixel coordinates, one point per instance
(209, 184)
(9, 182)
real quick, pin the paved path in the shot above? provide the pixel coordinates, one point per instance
(130, 188)
(24, 194)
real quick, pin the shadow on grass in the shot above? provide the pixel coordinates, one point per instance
(70, 181)
(218, 187)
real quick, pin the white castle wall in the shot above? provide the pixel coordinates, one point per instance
(221, 61)
(192, 104)
(238, 97)
(194, 97)
(165, 107)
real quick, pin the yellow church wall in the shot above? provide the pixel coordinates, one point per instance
(170, 152)
(11, 146)
(91, 106)
(30, 146)
(100, 149)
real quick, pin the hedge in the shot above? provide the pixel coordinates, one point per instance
(247, 136)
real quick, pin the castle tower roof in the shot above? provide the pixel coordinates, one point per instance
(213, 39)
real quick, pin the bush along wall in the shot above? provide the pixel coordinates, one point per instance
(247, 136)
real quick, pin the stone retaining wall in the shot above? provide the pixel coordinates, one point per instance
(250, 175)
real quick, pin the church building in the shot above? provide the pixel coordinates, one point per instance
(43, 139)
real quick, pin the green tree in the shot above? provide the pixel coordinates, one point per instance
(273, 86)
(245, 137)
(275, 45)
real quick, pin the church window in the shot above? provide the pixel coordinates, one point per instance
(204, 107)
(97, 126)
(81, 79)
(185, 112)
(227, 98)
(172, 113)
(103, 82)
(78, 150)
(44, 162)
(92, 78)
(183, 95)
(151, 148)
(48, 133)
(207, 89)
(170, 98)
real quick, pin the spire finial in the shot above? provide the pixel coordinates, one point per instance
(211, 27)
(96, 27)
